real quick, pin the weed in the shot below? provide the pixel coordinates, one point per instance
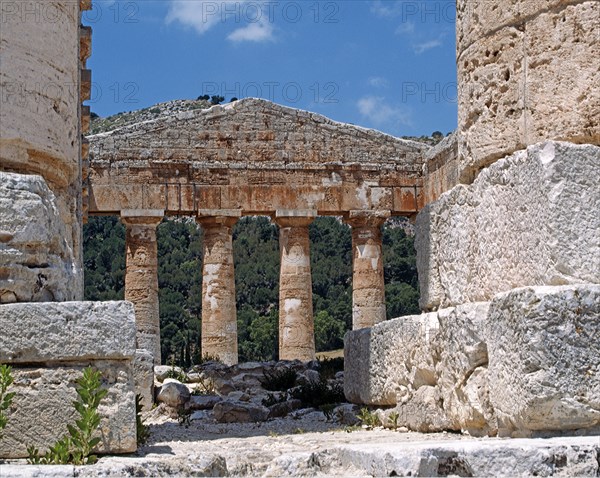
(328, 367)
(273, 399)
(299, 431)
(279, 380)
(206, 386)
(176, 374)
(368, 418)
(327, 410)
(76, 447)
(318, 393)
(393, 419)
(183, 417)
(6, 397)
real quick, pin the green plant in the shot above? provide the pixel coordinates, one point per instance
(178, 375)
(279, 380)
(327, 410)
(205, 386)
(6, 397)
(273, 399)
(183, 416)
(77, 446)
(328, 367)
(318, 393)
(393, 419)
(368, 418)
(142, 431)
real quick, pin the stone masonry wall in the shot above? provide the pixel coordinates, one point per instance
(527, 72)
(48, 345)
(529, 219)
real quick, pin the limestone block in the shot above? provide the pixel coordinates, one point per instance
(461, 372)
(66, 331)
(378, 361)
(441, 168)
(39, 120)
(143, 376)
(42, 407)
(544, 359)
(491, 113)
(37, 260)
(174, 394)
(527, 72)
(529, 219)
(48, 346)
(563, 101)
(240, 412)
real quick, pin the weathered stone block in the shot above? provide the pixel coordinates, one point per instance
(377, 360)
(66, 331)
(491, 114)
(143, 375)
(527, 72)
(544, 359)
(37, 261)
(563, 101)
(441, 168)
(529, 219)
(48, 345)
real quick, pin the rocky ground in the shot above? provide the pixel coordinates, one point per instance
(222, 421)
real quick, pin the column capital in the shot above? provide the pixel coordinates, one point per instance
(220, 218)
(367, 218)
(149, 217)
(294, 217)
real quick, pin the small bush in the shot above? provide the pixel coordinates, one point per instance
(328, 367)
(279, 380)
(318, 393)
(6, 397)
(206, 386)
(76, 447)
(368, 418)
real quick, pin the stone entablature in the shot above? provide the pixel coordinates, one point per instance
(255, 156)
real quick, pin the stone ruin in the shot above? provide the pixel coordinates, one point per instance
(508, 246)
(507, 230)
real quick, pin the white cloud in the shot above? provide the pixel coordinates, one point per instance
(419, 48)
(202, 15)
(384, 9)
(256, 32)
(381, 113)
(406, 28)
(378, 82)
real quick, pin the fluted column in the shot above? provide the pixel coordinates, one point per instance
(368, 285)
(296, 324)
(141, 279)
(219, 315)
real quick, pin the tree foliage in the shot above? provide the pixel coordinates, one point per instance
(256, 258)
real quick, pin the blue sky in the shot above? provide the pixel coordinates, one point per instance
(388, 65)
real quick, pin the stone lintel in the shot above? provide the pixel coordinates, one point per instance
(126, 213)
(284, 213)
(208, 213)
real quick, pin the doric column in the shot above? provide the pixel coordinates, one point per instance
(296, 325)
(219, 315)
(141, 279)
(368, 286)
